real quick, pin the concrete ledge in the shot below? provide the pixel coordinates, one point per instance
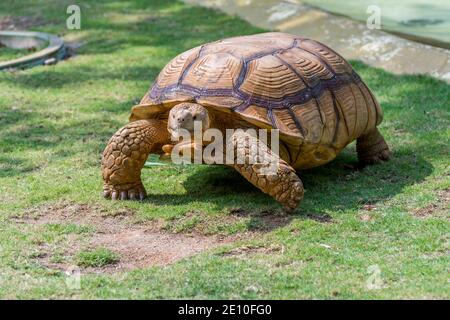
(54, 51)
(352, 39)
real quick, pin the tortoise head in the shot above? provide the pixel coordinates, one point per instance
(186, 116)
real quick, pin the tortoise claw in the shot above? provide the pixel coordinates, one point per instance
(131, 195)
(385, 155)
(134, 191)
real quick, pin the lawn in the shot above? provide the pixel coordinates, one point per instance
(381, 232)
(7, 54)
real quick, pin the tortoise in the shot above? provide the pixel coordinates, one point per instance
(270, 81)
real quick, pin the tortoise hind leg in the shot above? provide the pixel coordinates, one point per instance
(274, 177)
(372, 148)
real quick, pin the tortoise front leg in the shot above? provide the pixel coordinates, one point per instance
(125, 155)
(282, 184)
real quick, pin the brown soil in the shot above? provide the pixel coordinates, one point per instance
(141, 244)
(20, 23)
(366, 217)
(245, 250)
(436, 208)
(138, 244)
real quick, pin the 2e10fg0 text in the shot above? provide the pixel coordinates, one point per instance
(247, 309)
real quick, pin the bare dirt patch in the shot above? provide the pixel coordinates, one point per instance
(369, 207)
(245, 250)
(138, 244)
(21, 23)
(436, 208)
(319, 217)
(366, 217)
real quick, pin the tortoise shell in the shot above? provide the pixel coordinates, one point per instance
(272, 80)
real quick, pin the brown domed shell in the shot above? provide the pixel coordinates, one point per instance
(273, 80)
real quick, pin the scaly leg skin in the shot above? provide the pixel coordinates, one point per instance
(372, 148)
(282, 184)
(125, 155)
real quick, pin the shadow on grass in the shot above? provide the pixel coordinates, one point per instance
(159, 25)
(59, 78)
(335, 187)
(13, 166)
(414, 128)
(126, 41)
(35, 130)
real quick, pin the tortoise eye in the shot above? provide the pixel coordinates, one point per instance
(195, 117)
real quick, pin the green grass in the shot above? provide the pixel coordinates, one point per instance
(56, 120)
(98, 257)
(7, 54)
(69, 228)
